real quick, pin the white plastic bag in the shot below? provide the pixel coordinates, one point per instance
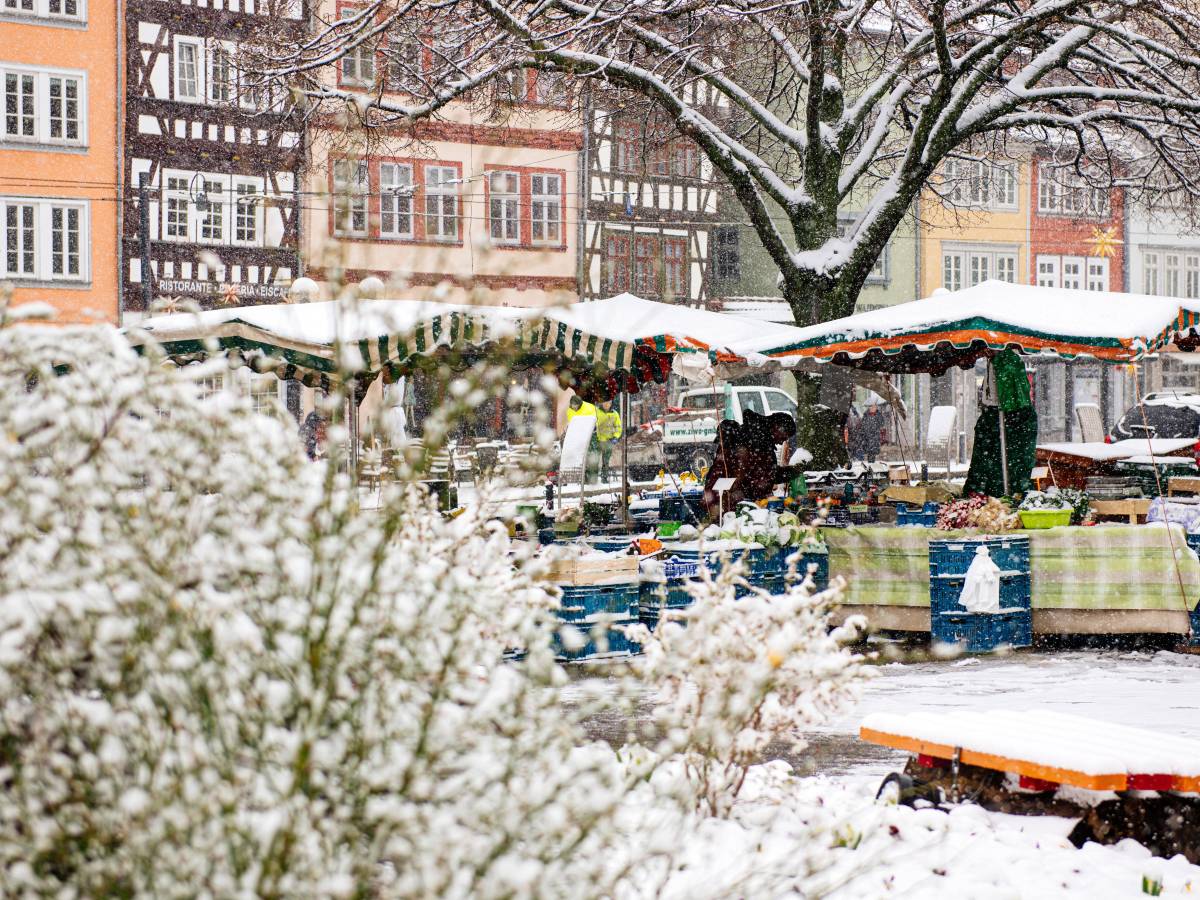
(981, 593)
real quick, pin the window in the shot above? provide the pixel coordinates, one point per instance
(43, 9)
(245, 213)
(64, 108)
(441, 203)
(64, 241)
(727, 258)
(514, 85)
(1150, 263)
(358, 65)
(1072, 273)
(19, 226)
(685, 160)
(616, 263)
(1047, 271)
(264, 393)
(1064, 192)
(550, 88)
(405, 57)
(628, 140)
(211, 206)
(188, 55)
(220, 75)
(674, 267)
(968, 266)
(777, 401)
(751, 401)
(1075, 272)
(970, 182)
(545, 208)
(20, 105)
(43, 239)
(1171, 272)
(645, 266)
(351, 185)
(43, 106)
(504, 204)
(175, 209)
(395, 201)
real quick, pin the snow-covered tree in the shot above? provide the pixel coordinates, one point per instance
(806, 107)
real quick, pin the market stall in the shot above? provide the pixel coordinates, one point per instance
(1081, 579)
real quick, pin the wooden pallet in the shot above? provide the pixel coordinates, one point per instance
(1131, 508)
(588, 570)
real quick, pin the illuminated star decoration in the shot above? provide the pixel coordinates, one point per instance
(1104, 241)
(229, 295)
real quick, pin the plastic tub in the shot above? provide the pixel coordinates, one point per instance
(668, 529)
(1044, 518)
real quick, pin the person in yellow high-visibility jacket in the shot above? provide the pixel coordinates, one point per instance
(608, 433)
(576, 407)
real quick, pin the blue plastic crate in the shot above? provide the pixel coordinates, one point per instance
(580, 603)
(600, 641)
(926, 517)
(1193, 541)
(954, 557)
(756, 559)
(612, 544)
(945, 590)
(1194, 617)
(984, 632)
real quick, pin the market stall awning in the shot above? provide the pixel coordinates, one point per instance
(624, 334)
(956, 328)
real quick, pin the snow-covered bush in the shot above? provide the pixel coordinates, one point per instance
(219, 676)
(736, 675)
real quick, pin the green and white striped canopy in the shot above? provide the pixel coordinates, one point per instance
(385, 337)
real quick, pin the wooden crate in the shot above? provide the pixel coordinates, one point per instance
(1131, 508)
(1182, 484)
(593, 570)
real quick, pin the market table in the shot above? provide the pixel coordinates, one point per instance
(1086, 580)
(1073, 463)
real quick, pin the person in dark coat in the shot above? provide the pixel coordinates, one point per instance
(312, 434)
(870, 431)
(746, 451)
(852, 434)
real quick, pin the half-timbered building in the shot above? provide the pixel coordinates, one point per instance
(213, 166)
(651, 210)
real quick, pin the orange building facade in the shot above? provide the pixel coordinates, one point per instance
(60, 155)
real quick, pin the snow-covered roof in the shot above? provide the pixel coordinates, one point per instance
(386, 332)
(993, 315)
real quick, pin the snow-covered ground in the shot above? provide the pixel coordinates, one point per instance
(968, 853)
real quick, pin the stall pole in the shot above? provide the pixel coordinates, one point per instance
(1003, 453)
(625, 459)
(352, 430)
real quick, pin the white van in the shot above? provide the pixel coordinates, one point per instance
(689, 436)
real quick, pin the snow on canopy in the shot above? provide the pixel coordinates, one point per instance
(956, 328)
(299, 341)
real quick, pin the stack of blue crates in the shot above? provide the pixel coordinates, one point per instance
(980, 632)
(926, 517)
(598, 612)
(766, 568)
(1193, 541)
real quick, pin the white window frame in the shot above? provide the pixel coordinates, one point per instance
(880, 272)
(1171, 271)
(351, 195)
(441, 193)
(42, 235)
(216, 192)
(1097, 272)
(201, 88)
(215, 51)
(358, 56)
(504, 207)
(40, 81)
(1074, 272)
(979, 184)
(42, 9)
(1151, 277)
(1049, 271)
(242, 187)
(396, 191)
(966, 265)
(1062, 192)
(1191, 275)
(171, 197)
(545, 209)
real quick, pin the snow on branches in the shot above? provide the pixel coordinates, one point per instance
(806, 108)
